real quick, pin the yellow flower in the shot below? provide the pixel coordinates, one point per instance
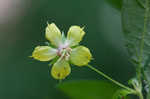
(66, 50)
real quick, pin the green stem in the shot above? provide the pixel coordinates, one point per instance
(139, 68)
(114, 81)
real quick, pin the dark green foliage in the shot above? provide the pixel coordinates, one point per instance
(115, 3)
(89, 89)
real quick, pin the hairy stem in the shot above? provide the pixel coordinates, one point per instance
(139, 69)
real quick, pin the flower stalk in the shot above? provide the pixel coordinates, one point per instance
(109, 78)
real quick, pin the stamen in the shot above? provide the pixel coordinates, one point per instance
(64, 51)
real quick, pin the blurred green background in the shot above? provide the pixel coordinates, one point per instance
(22, 27)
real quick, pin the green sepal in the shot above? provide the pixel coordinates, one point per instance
(122, 94)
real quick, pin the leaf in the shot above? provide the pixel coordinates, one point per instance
(147, 87)
(89, 89)
(142, 3)
(148, 96)
(136, 30)
(136, 26)
(147, 72)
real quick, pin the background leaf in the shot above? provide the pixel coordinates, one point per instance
(147, 72)
(133, 25)
(148, 96)
(89, 89)
(136, 23)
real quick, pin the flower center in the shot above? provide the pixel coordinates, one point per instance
(64, 51)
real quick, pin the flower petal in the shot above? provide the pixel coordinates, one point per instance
(61, 69)
(80, 56)
(44, 53)
(75, 35)
(53, 34)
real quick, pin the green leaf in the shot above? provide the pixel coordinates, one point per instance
(89, 89)
(142, 3)
(136, 26)
(147, 72)
(148, 96)
(147, 87)
(137, 32)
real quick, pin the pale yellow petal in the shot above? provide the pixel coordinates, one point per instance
(75, 35)
(61, 69)
(44, 53)
(53, 34)
(80, 56)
